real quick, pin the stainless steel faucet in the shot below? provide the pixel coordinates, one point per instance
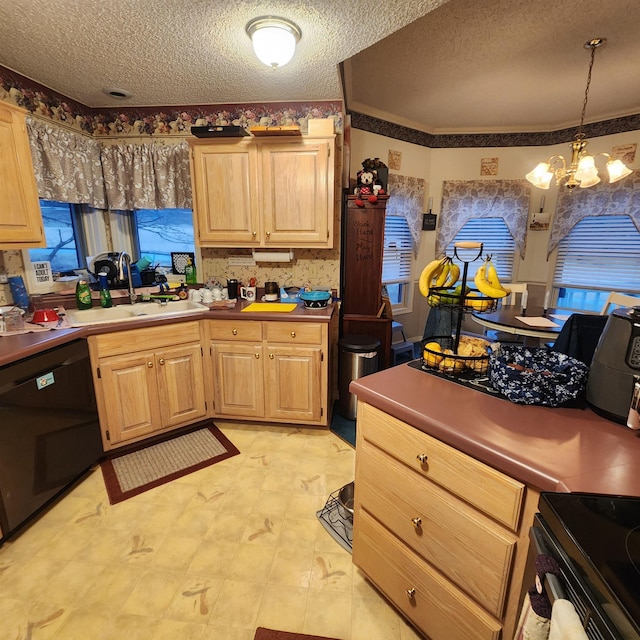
(126, 258)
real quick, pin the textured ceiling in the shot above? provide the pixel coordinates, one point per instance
(437, 66)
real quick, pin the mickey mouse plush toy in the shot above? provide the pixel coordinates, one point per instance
(367, 186)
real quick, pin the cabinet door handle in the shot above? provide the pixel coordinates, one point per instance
(150, 364)
(411, 593)
(293, 334)
(161, 361)
(268, 234)
(257, 356)
(423, 457)
(234, 332)
(271, 356)
(417, 522)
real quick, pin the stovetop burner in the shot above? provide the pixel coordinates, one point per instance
(601, 535)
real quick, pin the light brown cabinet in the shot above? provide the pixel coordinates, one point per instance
(268, 193)
(270, 371)
(443, 535)
(147, 381)
(20, 217)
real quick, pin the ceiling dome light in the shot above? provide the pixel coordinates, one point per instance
(114, 92)
(274, 39)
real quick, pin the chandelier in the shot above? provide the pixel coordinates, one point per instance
(581, 171)
(274, 39)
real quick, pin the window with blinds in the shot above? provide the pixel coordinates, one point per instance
(496, 241)
(599, 255)
(397, 260)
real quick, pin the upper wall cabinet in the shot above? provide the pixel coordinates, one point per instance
(264, 192)
(20, 217)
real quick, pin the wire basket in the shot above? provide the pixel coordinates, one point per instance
(446, 361)
(474, 301)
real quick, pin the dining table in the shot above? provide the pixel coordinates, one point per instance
(533, 322)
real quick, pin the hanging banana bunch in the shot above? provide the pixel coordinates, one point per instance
(438, 274)
(487, 281)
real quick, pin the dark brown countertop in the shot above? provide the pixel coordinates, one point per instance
(549, 449)
(23, 345)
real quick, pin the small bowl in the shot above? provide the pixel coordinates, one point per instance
(45, 315)
(315, 299)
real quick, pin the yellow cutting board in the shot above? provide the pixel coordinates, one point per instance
(282, 307)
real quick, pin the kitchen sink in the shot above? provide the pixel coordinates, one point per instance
(130, 312)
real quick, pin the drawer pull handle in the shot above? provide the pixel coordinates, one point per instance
(423, 457)
(411, 593)
(417, 522)
(293, 334)
(150, 364)
(161, 361)
(234, 332)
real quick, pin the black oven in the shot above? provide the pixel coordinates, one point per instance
(49, 430)
(595, 539)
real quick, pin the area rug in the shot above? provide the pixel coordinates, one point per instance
(270, 634)
(134, 472)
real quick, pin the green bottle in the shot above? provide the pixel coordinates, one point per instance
(105, 294)
(83, 295)
(190, 275)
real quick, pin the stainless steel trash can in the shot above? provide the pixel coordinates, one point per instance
(357, 358)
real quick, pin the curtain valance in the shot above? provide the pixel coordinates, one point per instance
(406, 198)
(147, 176)
(463, 200)
(66, 164)
(618, 199)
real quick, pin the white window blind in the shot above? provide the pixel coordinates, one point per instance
(397, 256)
(496, 241)
(600, 253)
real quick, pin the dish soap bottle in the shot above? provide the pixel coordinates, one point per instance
(190, 273)
(105, 294)
(83, 295)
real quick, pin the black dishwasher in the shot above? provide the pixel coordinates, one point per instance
(49, 429)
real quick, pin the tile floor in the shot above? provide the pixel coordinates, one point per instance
(212, 555)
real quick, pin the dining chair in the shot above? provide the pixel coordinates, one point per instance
(619, 300)
(516, 287)
(509, 301)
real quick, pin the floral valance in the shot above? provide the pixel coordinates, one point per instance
(406, 198)
(66, 164)
(618, 199)
(463, 200)
(147, 176)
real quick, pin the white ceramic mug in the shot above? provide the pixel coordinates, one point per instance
(195, 295)
(248, 293)
(207, 296)
(271, 297)
(217, 294)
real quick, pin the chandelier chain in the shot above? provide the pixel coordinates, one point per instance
(580, 135)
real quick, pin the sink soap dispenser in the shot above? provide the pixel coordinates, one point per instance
(190, 273)
(105, 294)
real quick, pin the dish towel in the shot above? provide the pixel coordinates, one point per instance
(531, 625)
(565, 622)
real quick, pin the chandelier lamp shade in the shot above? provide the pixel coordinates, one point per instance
(580, 170)
(274, 39)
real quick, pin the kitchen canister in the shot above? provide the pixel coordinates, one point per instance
(19, 292)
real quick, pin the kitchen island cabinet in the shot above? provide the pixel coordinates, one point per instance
(147, 381)
(264, 192)
(447, 483)
(21, 220)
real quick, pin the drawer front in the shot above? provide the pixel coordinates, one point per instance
(472, 551)
(294, 332)
(236, 330)
(436, 607)
(124, 342)
(490, 491)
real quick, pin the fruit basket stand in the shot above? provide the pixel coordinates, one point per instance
(456, 354)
